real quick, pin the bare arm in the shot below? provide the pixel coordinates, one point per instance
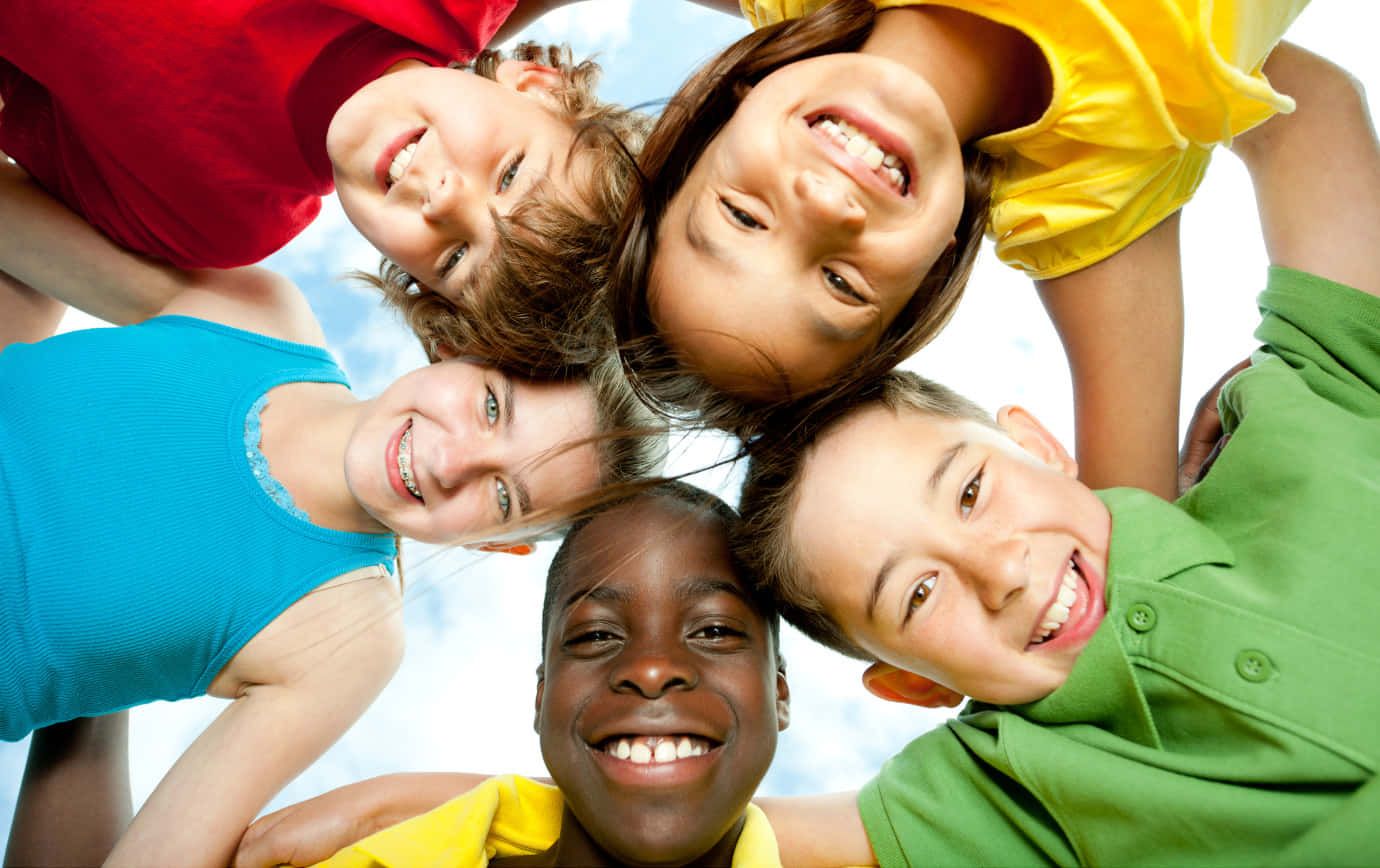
(822, 831)
(50, 248)
(74, 800)
(329, 655)
(1121, 322)
(1317, 173)
(311, 831)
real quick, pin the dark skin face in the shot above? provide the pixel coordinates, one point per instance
(654, 646)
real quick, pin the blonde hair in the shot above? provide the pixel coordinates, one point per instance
(769, 497)
(536, 307)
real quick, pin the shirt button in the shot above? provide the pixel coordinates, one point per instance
(1141, 617)
(1254, 666)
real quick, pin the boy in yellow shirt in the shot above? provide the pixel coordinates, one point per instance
(658, 702)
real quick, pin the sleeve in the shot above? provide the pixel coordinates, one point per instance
(760, 13)
(938, 803)
(1328, 333)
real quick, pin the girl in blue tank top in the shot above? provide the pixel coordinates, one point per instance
(198, 504)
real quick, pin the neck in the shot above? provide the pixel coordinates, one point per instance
(306, 428)
(575, 847)
(990, 77)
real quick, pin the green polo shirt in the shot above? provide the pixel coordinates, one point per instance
(1227, 711)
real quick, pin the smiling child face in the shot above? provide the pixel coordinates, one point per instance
(661, 697)
(807, 223)
(949, 549)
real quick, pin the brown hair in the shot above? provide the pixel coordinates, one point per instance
(768, 501)
(535, 308)
(694, 116)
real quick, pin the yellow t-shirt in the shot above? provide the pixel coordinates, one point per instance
(1142, 92)
(505, 816)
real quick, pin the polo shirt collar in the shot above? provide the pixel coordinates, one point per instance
(1151, 540)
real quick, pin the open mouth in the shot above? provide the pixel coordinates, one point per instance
(656, 749)
(405, 464)
(1056, 617)
(397, 166)
(887, 166)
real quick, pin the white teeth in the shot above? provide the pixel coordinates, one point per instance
(405, 463)
(656, 749)
(853, 141)
(1058, 613)
(400, 162)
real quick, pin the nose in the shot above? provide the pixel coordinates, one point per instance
(444, 197)
(999, 572)
(652, 670)
(828, 203)
(456, 462)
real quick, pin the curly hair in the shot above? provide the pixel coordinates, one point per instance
(771, 491)
(536, 307)
(692, 119)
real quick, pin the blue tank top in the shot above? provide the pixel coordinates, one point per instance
(138, 552)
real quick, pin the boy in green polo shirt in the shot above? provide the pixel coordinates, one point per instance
(658, 703)
(1191, 683)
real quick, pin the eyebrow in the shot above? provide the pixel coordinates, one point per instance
(524, 494)
(600, 593)
(705, 586)
(943, 466)
(883, 575)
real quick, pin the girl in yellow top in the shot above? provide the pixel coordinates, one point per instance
(815, 194)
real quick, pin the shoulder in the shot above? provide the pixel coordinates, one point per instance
(251, 298)
(350, 627)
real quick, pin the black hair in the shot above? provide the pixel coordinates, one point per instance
(694, 498)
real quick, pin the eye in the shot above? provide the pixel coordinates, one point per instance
(921, 593)
(969, 496)
(840, 285)
(717, 631)
(741, 217)
(510, 173)
(455, 258)
(491, 408)
(591, 641)
(501, 495)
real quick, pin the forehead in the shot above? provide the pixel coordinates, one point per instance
(648, 538)
(874, 473)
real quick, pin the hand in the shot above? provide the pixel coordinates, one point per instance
(1203, 440)
(310, 831)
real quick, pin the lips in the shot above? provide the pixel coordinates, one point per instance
(1075, 609)
(397, 462)
(393, 162)
(870, 155)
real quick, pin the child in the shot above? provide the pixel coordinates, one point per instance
(198, 504)
(1170, 684)
(815, 196)
(205, 134)
(659, 697)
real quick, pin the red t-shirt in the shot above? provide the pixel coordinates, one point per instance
(195, 130)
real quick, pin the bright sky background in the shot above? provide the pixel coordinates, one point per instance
(463, 698)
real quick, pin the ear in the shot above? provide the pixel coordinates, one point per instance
(506, 548)
(898, 685)
(1034, 438)
(445, 351)
(529, 78)
(783, 701)
(536, 711)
